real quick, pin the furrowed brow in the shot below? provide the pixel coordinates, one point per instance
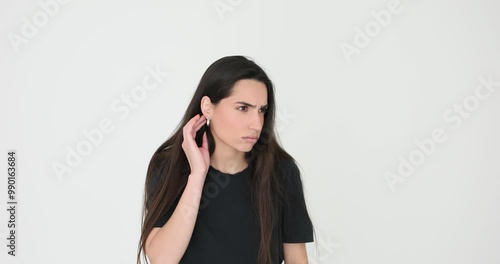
(250, 105)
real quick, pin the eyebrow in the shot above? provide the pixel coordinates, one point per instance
(247, 104)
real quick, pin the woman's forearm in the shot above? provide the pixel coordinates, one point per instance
(170, 242)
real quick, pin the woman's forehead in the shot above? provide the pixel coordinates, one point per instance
(250, 91)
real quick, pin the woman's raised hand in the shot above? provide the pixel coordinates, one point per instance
(198, 157)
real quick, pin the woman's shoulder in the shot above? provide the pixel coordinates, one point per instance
(288, 172)
(288, 165)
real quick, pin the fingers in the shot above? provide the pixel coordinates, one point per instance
(192, 151)
(200, 123)
(188, 129)
(194, 125)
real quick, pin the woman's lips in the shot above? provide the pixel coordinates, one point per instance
(250, 139)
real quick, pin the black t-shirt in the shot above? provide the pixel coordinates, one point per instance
(227, 228)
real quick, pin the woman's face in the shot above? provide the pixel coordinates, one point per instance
(239, 116)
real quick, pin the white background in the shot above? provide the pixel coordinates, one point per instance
(348, 120)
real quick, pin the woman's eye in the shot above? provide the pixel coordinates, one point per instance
(245, 108)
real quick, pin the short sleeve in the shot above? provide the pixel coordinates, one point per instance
(297, 225)
(153, 185)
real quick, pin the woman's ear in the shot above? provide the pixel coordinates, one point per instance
(206, 106)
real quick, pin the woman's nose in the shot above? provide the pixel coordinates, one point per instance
(256, 121)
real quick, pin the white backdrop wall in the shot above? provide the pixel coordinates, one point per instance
(390, 107)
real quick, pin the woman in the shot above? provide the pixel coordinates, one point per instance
(222, 190)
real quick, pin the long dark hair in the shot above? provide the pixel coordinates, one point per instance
(265, 158)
